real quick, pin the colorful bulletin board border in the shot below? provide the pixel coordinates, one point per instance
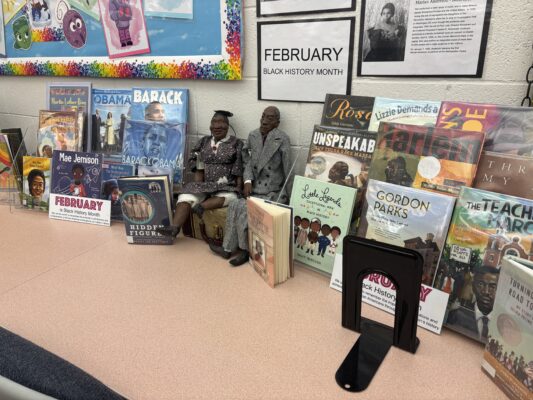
(224, 66)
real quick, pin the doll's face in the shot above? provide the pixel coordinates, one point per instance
(219, 127)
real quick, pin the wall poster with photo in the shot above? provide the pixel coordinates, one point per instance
(267, 8)
(423, 37)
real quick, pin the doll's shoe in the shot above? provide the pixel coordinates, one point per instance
(220, 251)
(240, 259)
(171, 230)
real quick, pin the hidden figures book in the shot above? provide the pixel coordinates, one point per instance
(413, 112)
(508, 356)
(322, 214)
(485, 227)
(344, 111)
(435, 159)
(508, 129)
(146, 205)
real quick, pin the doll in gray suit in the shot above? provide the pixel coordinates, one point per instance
(266, 157)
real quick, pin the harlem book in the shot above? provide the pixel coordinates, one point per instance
(435, 159)
(485, 227)
(270, 241)
(508, 129)
(343, 111)
(508, 356)
(414, 112)
(505, 173)
(146, 206)
(322, 215)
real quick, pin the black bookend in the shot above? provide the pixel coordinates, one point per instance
(403, 267)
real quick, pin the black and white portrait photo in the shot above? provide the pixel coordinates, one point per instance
(385, 30)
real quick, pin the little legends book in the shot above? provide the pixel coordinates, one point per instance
(485, 227)
(322, 214)
(508, 356)
(435, 159)
(344, 111)
(270, 240)
(146, 205)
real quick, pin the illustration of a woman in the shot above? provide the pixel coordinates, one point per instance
(109, 133)
(37, 186)
(387, 38)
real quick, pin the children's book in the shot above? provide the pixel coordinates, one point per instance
(508, 356)
(73, 97)
(413, 112)
(344, 111)
(505, 173)
(146, 205)
(77, 174)
(124, 27)
(322, 215)
(182, 9)
(435, 159)
(508, 129)
(58, 130)
(36, 182)
(270, 240)
(8, 175)
(110, 108)
(111, 171)
(485, 227)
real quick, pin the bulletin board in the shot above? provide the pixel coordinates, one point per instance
(166, 39)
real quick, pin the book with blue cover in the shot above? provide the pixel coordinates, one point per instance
(146, 206)
(77, 174)
(322, 215)
(110, 108)
(412, 112)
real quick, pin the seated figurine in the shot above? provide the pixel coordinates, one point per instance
(216, 161)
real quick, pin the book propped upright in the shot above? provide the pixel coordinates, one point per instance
(508, 356)
(146, 205)
(270, 240)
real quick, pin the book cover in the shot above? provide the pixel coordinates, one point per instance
(110, 110)
(36, 182)
(146, 205)
(73, 97)
(322, 214)
(124, 27)
(508, 356)
(485, 227)
(111, 171)
(163, 110)
(270, 241)
(182, 9)
(413, 112)
(505, 173)
(508, 129)
(58, 130)
(435, 159)
(8, 179)
(77, 174)
(410, 218)
(344, 111)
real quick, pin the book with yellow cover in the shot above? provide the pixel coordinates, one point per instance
(269, 238)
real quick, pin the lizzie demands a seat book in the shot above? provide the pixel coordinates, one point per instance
(269, 237)
(145, 206)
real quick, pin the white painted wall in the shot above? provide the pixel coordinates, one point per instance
(509, 54)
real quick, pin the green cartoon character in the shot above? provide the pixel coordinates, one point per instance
(22, 33)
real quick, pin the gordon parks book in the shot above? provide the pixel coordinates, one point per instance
(508, 356)
(146, 205)
(345, 111)
(434, 159)
(485, 227)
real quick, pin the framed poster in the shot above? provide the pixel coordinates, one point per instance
(423, 38)
(123, 38)
(290, 7)
(298, 62)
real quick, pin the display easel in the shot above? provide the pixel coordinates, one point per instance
(403, 267)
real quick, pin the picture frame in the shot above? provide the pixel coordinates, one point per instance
(270, 8)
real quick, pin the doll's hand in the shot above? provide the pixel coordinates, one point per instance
(247, 191)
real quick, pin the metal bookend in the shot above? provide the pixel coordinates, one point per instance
(403, 267)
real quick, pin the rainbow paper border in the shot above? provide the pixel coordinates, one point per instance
(226, 69)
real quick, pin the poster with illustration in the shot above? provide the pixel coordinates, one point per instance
(97, 38)
(124, 27)
(169, 8)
